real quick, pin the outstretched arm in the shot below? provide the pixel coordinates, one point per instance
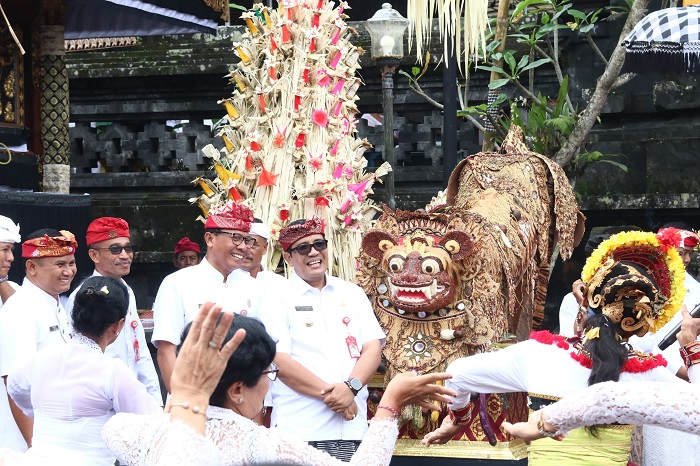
(666, 405)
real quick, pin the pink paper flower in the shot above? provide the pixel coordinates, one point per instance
(320, 118)
(315, 162)
(323, 78)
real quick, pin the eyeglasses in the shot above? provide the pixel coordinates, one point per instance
(272, 372)
(305, 249)
(116, 250)
(237, 239)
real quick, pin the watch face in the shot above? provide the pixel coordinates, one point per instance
(355, 384)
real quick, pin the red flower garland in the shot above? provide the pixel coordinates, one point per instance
(635, 364)
(547, 338)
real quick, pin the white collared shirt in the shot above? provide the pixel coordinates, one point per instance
(29, 321)
(184, 291)
(124, 347)
(316, 333)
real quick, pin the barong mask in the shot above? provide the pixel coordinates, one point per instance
(636, 279)
(420, 267)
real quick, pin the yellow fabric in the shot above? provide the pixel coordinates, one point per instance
(611, 447)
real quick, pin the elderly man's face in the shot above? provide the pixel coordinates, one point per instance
(52, 274)
(6, 258)
(107, 262)
(186, 259)
(251, 262)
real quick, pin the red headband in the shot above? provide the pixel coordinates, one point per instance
(186, 245)
(105, 228)
(231, 216)
(50, 246)
(678, 238)
(293, 233)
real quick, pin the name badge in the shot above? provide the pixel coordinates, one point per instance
(353, 348)
(53, 328)
(304, 308)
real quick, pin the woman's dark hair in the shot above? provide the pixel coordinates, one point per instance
(100, 302)
(624, 284)
(607, 354)
(246, 364)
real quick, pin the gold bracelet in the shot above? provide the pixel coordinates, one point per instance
(186, 405)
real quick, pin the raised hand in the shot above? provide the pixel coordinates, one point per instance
(202, 360)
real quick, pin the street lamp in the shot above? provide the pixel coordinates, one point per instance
(386, 29)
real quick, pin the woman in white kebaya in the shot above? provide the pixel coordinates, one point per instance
(72, 390)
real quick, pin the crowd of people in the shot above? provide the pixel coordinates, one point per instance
(235, 340)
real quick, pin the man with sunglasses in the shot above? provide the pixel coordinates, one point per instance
(329, 348)
(110, 248)
(218, 278)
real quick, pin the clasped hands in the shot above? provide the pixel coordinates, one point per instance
(339, 398)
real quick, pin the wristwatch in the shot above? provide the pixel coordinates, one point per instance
(4, 279)
(354, 385)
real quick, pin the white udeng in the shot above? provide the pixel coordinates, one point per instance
(154, 440)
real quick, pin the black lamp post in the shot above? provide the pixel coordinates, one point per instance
(386, 29)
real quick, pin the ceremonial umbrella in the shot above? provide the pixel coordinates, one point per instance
(666, 40)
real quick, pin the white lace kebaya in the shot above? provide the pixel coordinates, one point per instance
(71, 390)
(673, 406)
(154, 440)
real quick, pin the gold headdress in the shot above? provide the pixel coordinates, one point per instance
(636, 280)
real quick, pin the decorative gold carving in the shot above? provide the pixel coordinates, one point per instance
(513, 450)
(9, 85)
(12, 78)
(7, 112)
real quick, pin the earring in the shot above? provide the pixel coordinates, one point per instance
(240, 400)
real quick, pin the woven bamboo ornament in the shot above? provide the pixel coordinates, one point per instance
(290, 146)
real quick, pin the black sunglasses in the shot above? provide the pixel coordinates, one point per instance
(237, 239)
(305, 249)
(272, 372)
(116, 250)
